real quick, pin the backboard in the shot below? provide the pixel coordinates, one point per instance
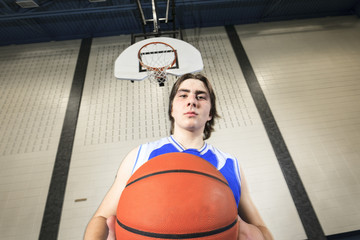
(127, 66)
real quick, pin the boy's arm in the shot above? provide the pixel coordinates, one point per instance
(97, 228)
(251, 224)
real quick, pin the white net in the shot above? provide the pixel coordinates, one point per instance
(156, 58)
(157, 76)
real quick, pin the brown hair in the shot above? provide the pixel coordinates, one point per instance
(209, 126)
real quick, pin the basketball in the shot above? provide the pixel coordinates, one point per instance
(177, 196)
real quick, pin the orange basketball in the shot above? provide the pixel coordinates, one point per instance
(177, 196)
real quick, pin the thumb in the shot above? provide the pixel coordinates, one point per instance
(110, 222)
(238, 226)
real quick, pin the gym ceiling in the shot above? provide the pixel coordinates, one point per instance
(29, 21)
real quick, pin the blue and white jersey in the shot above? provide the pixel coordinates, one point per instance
(225, 163)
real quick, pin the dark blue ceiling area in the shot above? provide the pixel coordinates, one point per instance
(74, 19)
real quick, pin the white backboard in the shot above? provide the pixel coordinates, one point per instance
(127, 64)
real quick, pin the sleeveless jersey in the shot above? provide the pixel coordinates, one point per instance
(224, 162)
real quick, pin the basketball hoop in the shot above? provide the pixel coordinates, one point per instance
(156, 58)
(136, 60)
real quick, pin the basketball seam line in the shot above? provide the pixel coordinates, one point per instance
(177, 171)
(176, 236)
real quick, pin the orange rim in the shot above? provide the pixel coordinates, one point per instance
(157, 68)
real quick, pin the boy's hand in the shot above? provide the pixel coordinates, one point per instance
(111, 221)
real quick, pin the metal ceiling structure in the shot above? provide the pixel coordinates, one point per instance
(22, 21)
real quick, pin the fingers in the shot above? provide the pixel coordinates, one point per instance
(111, 226)
(238, 232)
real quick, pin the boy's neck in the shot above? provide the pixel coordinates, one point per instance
(189, 140)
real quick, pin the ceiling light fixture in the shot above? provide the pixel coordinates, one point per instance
(27, 3)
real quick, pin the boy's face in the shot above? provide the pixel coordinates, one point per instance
(191, 106)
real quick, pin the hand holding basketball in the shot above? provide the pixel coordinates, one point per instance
(110, 222)
(248, 231)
